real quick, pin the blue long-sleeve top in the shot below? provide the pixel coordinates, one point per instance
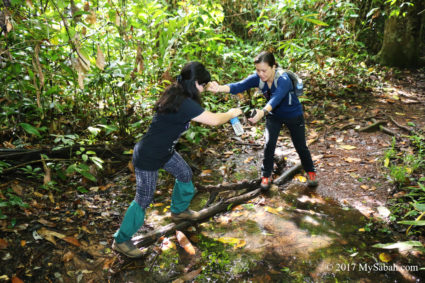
(284, 102)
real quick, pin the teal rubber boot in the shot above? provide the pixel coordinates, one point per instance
(133, 220)
(181, 197)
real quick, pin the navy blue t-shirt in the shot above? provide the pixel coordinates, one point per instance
(157, 145)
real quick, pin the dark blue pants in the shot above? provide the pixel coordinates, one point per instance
(296, 127)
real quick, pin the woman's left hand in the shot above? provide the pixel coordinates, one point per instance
(258, 116)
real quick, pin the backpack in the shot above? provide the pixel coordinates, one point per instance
(297, 82)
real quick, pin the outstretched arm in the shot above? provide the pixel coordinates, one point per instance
(216, 119)
(215, 87)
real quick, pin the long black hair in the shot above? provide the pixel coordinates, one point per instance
(184, 87)
(266, 57)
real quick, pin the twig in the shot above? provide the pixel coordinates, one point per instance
(371, 128)
(385, 130)
(400, 126)
(35, 161)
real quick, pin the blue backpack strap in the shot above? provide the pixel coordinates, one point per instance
(278, 74)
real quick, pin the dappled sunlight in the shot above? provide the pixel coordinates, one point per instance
(275, 233)
(311, 199)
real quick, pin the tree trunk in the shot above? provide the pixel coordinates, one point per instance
(402, 38)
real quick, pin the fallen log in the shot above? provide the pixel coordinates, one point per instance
(288, 174)
(151, 237)
(224, 205)
(228, 187)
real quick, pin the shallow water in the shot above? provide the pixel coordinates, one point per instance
(288, 234)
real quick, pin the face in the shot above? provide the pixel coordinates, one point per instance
(201, 87)
(265, 72)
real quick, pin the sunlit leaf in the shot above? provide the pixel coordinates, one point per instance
(271, 210)
(387, 162)
(347, 146)
(229, 240)
(384, 257)
(300, 178)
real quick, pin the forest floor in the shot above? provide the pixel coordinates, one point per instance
(66, 236)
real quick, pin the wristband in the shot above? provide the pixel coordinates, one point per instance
(265, 111)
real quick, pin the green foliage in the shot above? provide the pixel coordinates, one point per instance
(11, 200)
(405, 170)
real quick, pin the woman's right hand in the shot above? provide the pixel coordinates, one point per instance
(234, 112)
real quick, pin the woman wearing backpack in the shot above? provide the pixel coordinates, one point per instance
(179, 104)
(282, 108)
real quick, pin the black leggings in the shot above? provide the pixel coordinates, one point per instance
(296, 127)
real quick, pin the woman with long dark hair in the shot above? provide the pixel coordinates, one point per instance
(282, 108)
(179, 104)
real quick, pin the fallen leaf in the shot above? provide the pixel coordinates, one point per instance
(17, 280)
(72, 241)
(23, 243)
(17, 189)
(68, 256)
(364, 187)
(50, 235)
(362, 230)
(384, 257)
(347, 146)
(387, 162)
(352, 159)
(206, 172)
(248, 160)
(188, 276)
(241, 244)
(7, 144)
(94, 189)
(300, 178)
(108, 263)
(228, 240)
(238, 207)
(3, 244)
(271, 210)
(185, 243)
(51, 198)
